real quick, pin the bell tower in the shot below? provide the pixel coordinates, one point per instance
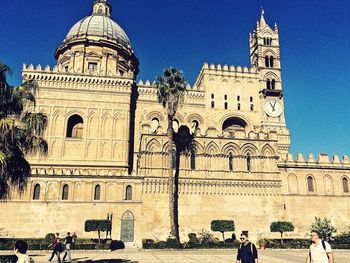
(265, 57)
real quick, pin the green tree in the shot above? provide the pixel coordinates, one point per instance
(21, 133)
(281, 227)
(171, 88)
(222, 226)
(324, 227)
(98, 225)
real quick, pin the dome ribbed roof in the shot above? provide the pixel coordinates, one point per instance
(99, 26)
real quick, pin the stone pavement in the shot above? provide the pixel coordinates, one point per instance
(205, 256)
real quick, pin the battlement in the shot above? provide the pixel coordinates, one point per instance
(57, 69)
(225, 71)
(56, 79)
(323, 159)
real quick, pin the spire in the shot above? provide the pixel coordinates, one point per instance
(102, 7)
(262, 18)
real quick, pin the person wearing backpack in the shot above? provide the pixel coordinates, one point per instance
(320, 251)
(247, 252)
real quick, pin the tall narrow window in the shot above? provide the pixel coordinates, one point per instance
(251, 107)
(193, 160)
(36, 193)
(310, 184)
(174, 159)
(273, 84)
(239, 106)
(230, 162)
(265, 41)
(128, 193)
(251, 99)
(226, 105)
(248, 162)
(345, 185)
(97, 193)
(65, 191)
(268, 84)
(212, 96)
(238, 98)
(271, 62)
(75, 127)
(212, 104)
(225, 97)
(267, 61)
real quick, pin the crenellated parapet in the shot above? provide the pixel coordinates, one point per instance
(237, 72)
(322, 160)
(147, 91)
(55, 78)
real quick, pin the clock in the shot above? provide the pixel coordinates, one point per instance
(273, 108)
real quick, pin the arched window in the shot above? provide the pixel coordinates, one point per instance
(230, 162)
(65, 191)
(310, 184)
(233, 123)
(226, 105)
(212, 104)
(239, 106)
(176, 125)
(128, 193)
(174, 159)
(154, 125)
(238, 98)
(225, 97)
(193, 160)
(251, 99)
(265, 41)
(251, 107)
(267, 61)
(194, 126)
(75, 127)
(248, 162)
(36, 193)
(271, 61)
(212, 96)
(97, 193)
(345, 182)
(273, 84)
(268, 84)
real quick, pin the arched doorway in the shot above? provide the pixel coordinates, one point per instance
(127, 227)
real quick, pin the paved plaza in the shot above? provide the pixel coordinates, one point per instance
(205, 256)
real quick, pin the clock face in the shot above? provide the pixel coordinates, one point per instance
(273, 108)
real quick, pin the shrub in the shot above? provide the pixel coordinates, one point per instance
(161, 244)
(49, 237)
(148, 243)
(222, 226)
(116, 245)
(281, 226)
(192, 238)
(205, 237)
(98, 225)
(173, 243)
(324, 227)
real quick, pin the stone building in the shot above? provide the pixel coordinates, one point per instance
(108, 146)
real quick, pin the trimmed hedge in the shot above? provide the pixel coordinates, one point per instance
(172, 244)
(303, 243)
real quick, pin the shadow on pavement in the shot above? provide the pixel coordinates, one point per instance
(108, 261)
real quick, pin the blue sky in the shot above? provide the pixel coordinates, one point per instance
(314, 37)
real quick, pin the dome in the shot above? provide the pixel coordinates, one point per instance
(98, 25)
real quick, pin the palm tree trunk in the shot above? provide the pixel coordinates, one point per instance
(170, 132)
(176, 197)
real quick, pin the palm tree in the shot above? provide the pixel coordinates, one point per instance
(171, 90)
(21, 133)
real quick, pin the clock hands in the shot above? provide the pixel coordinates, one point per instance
(273, 106)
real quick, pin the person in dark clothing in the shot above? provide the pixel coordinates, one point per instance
(247, 252)
(68, 243)
(53, 244)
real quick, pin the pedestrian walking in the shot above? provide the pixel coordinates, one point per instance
(247, 252)
(320, 250)
(68, 243)
(53, 244)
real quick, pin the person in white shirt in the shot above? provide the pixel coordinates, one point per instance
(21, 248)
(320, 250)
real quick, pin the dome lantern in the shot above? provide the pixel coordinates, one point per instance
(102, 7)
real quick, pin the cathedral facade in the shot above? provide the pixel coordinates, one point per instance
(108, 146)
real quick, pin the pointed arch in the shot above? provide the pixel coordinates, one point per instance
(311, 184)
(198, 148)
(212, 148)
(153, 146)
(328, 185)
(231, 148)
(345, 184)
(267, 150)
(249, 148)
(293, 186)
(155, 114)
(271, 75)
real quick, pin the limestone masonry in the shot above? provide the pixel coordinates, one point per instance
(108, 146)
